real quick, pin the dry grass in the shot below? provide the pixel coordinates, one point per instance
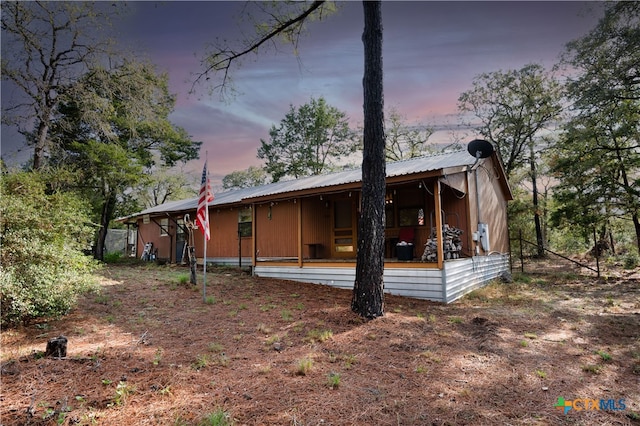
(148, 350)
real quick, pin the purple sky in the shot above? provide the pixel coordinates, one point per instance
(431, 53)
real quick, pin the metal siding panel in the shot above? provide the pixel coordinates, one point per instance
(464, 276)
(228, 261)
(416, 283)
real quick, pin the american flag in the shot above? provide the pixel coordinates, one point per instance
(204, 198)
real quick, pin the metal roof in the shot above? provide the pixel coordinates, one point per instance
(398, 168)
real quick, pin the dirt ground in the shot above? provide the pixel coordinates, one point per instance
(149, 350)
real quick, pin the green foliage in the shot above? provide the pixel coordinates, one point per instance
(333, 380)
(631, 260)
(309, 140)
(123, 390)
(112, 257)
(113, 126)
(597, 161)
(604, 355)
(44, 233)
(160, 185)
(304, 366)
(253, 176)
(513, 107)
(217, 418)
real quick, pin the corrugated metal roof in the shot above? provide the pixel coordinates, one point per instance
(398, 168)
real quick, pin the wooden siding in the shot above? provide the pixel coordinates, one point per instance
(465, 275)
(456, 213)
(277, 229)
(223, 224)
(150, 233)
(493, 207)
(316, 226)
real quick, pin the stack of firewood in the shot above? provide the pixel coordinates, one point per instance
(452, 244)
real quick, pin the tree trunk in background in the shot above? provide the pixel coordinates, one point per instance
(107, 212)
(636, 224)
(536, 207)
(368, 290)
(41, 143)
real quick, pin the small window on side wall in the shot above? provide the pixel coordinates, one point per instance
(244, 222)
(164, 227)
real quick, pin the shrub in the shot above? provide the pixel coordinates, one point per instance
(631, 260)
(43, 235)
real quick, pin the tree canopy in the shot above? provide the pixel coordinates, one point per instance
(308, 141)
(47, 47)
(248, 178)
(112, 127)
(513, 108)
(403, 141)
(597, 161)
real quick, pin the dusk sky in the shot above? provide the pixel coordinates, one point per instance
(431, 53)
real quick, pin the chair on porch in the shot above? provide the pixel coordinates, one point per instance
(407, 235)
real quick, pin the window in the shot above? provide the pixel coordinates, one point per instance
(410, 216)
(245, 222)
(164, 227)
(411, 207)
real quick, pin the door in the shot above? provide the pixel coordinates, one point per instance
(343, 241)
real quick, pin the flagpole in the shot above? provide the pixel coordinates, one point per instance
(204, 278)
(206, 212)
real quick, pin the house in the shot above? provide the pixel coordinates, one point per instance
(446, 227)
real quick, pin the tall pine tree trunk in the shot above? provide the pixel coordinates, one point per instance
(368, 290)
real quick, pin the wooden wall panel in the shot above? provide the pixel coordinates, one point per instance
(224, 233)
(493, 207)
(456, 214)
(316, 226)
(277, 229)
(150, 233)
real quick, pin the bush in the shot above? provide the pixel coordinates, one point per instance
(43, 235)
(631, 259)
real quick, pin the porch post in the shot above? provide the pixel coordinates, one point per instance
(254, 227)
(299, 212)
(438, 207)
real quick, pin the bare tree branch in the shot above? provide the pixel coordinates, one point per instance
(223, 59)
